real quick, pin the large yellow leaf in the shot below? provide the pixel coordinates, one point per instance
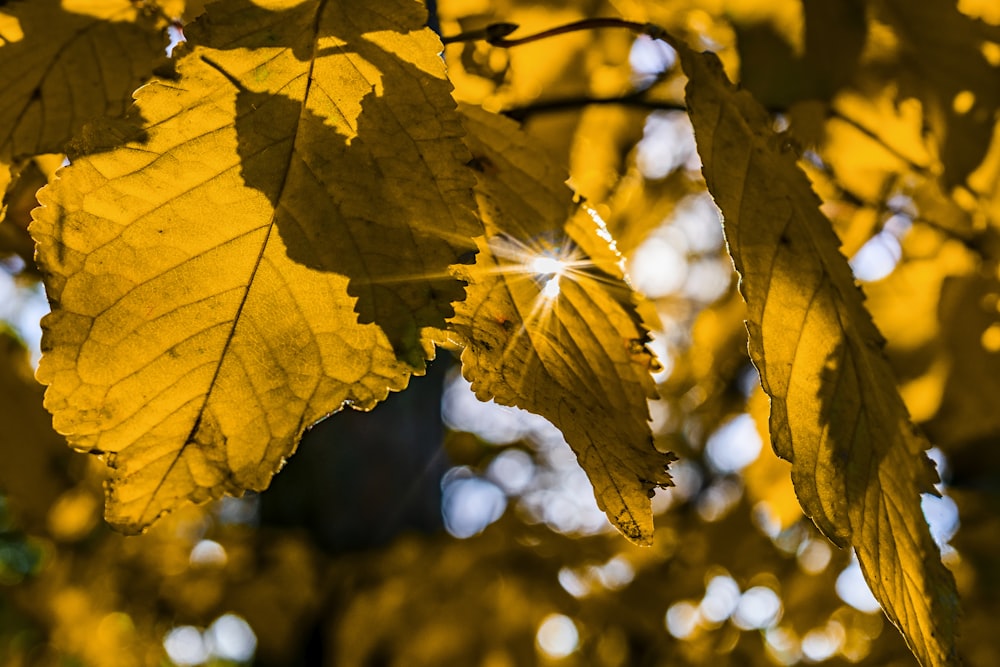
(65, 62)
(549, 324)
(199, 274)
(858, 465)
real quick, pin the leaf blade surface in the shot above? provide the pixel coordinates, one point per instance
(201, 309)
(576, 357)
(858, 465)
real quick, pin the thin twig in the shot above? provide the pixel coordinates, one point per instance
(495, 34)
(571, 103)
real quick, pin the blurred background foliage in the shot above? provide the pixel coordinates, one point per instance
(440, 531)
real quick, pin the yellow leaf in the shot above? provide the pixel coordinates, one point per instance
(836, 414)
(550, 325)
(65, 63)
(199, 274)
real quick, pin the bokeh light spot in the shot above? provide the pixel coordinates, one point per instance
(941, 513)
(853, 589)
(734, 445)
(185, 646)
(470, 504)
(783, 645)
(814, 556)
(877, 258)
(822, 644)
(557, 636)
(616, 574)
(573, 583)
(667, 144)
(721, 597)
(682, 619)
(231, 638)
(758, 608)
(649, 57)
(715, 502)
(208, 552)
(511, 470)
(657, 268)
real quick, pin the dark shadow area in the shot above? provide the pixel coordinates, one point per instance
(369, 206)
(834, 35)
(360, 479)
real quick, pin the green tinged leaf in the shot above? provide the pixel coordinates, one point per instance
(858, 466)
(560, 340)
(304, 170)
(66, 62)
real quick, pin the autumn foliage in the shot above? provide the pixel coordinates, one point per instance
(297, 207)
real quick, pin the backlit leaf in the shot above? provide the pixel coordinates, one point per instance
(858, 466)
(66, 62)
(200, 274)
(550, 325)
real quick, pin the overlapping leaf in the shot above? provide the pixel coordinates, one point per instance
(560, 340)
(858, 466)
(63, 63)
(199, 274)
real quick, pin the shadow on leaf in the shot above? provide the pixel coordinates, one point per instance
(384, 198)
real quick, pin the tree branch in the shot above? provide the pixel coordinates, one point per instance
(496, 33)
(520, 113)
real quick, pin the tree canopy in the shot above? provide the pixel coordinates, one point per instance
(762, 315)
